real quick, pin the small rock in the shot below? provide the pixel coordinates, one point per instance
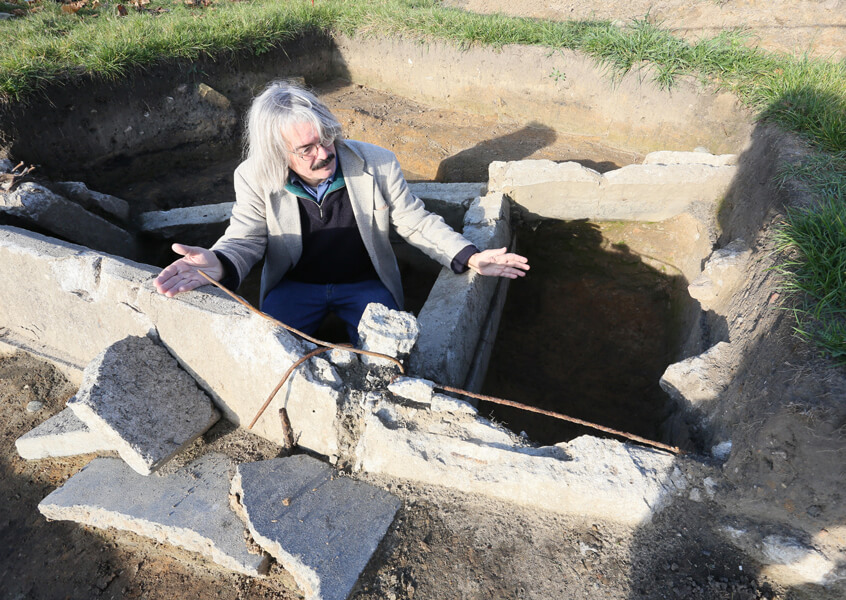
(722, 450)
(34, 406)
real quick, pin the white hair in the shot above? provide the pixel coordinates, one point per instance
(281, 105)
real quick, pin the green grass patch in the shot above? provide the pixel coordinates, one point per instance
(813, 242)
(45, 45)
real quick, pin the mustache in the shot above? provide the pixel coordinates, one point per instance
(323, 163)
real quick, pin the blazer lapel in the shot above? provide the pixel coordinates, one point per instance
(360, 186)
(288, 219)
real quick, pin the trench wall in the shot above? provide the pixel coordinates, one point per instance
(98, 125)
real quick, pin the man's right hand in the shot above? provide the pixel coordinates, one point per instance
(183, 275)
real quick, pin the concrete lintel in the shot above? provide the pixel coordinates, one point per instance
(649, 192)
(450, 200)
(170, 223)
(37, 205)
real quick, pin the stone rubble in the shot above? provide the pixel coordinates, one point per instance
(386, 331)
(137, 398)
(721, 276)
(323, 528)
(188, 508)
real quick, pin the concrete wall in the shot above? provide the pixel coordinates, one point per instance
(67, 301)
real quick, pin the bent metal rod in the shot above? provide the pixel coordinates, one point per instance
(325, 346)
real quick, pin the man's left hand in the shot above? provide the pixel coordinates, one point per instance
(499, 263)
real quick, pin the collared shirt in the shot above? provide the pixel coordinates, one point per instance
(318, 192)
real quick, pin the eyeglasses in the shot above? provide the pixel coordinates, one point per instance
(311, 150)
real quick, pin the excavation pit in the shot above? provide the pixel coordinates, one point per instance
(588, 335)
(687, 323)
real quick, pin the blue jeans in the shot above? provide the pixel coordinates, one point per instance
(303, 306)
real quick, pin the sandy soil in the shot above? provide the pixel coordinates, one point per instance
(815, 27)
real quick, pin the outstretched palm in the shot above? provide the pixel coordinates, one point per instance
(499, 263)
(183, 274)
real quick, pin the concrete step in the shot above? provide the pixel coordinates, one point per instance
(189, 508)
(321, 527)
(144, 405)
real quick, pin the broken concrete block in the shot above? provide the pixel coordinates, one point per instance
(666, 157)
(547, 189)
(444, 403)
(588, 477)
(111, 205)
(36, 205)
(189, 508)
(198, 222)
(386, 331)
(721, 275)
(63, 434)
(422, 391)
(486, 223)
(450, 200)
(6, 165)
(697, 379)
(321, 527)
(414, 389)
(784, 555)
(135, 395)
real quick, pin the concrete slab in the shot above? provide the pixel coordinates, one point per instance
(189, 508)
(96, 201)
(197, 222)
(135, 395)
(321, 527)
(588, 477)
(456, 311)
(63, 434)
(36, 205)
(236, 356)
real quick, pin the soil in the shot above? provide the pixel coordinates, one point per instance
(449, 545)
(441, 544)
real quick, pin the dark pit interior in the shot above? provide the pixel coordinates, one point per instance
(587, 334)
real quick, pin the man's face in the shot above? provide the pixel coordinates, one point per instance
(319, 163)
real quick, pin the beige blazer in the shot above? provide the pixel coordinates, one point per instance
(267, 222)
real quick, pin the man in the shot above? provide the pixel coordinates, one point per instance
(319, 209)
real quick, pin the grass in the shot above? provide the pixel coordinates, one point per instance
(813, 240)
(48, 46)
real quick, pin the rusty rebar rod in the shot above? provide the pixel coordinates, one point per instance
(555, 415)
(282, 382)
